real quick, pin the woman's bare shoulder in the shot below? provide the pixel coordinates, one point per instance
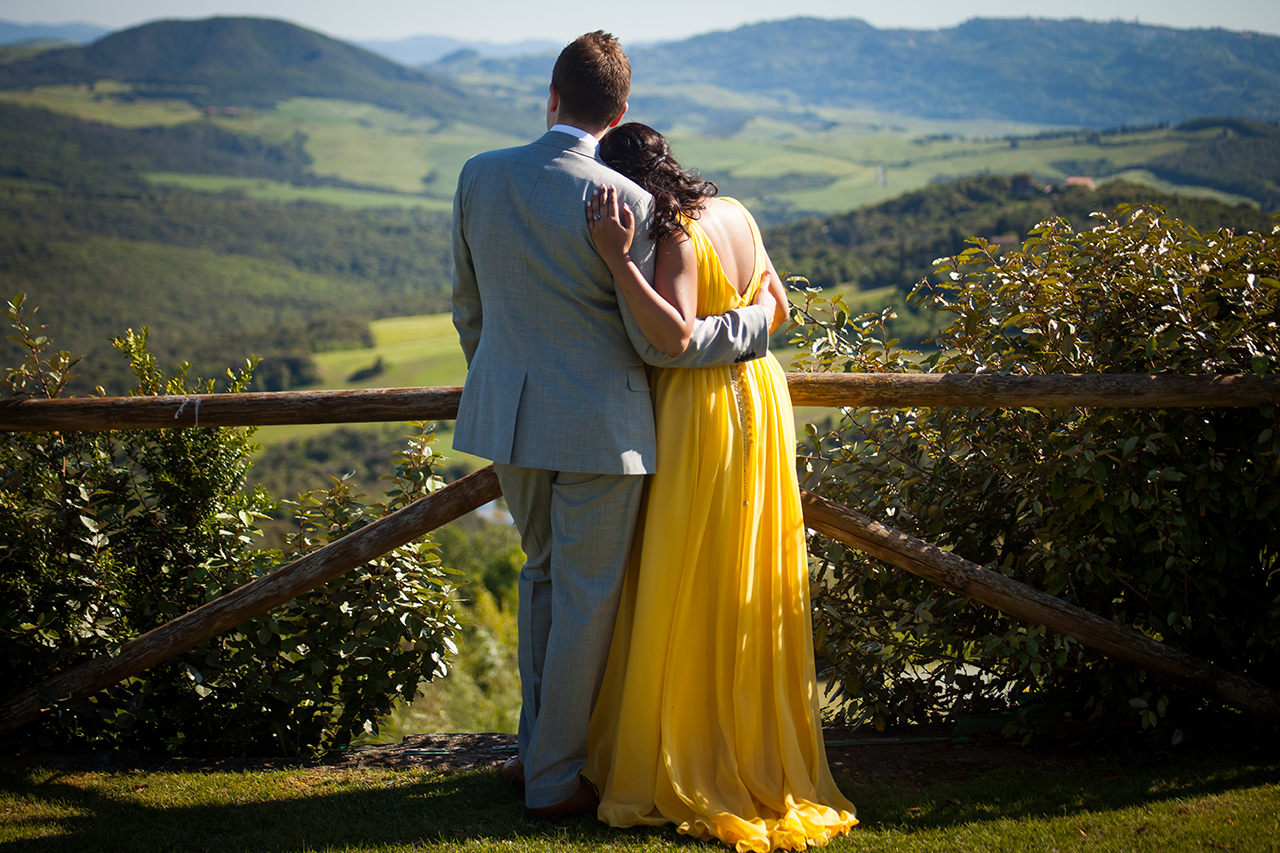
(724, 216)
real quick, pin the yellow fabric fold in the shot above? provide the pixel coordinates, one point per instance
(708, 718)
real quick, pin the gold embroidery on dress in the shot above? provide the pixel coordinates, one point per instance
(742, 398)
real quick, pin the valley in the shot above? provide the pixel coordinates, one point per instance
(304, 216)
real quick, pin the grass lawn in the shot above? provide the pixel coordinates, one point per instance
(1161, 804)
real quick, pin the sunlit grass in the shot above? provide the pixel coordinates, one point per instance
(1095, 806)
(107, 102)
(366, 144)
(264, 190)
(419, 351)
(1142, 176)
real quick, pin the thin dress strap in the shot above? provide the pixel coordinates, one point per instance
(699, 236)
(761, 263)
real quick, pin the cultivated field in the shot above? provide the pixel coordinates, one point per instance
(787, 161)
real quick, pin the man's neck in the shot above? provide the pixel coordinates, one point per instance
(574, 131)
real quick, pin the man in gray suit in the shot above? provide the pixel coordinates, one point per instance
(557, 396)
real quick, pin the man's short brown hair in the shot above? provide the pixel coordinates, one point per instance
(593, 77)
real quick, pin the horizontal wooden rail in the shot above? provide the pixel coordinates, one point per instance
(265, 408)
(1023, 602)
(258, 596)
(1124, 390)
(886, 390)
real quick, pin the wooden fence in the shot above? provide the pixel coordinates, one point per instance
(887, 390)
(474, 490)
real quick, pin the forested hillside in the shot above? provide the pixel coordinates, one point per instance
(1055, 72)
(215, 277)
(895, 243)
(41, 145)
(249, 62)
(1073, 72)
(1244, 159)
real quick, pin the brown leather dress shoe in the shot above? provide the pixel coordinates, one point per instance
(584, 801)
(513, 771)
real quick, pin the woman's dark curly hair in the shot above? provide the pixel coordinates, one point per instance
(643, 155)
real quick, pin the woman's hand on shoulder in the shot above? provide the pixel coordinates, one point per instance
(613, 225)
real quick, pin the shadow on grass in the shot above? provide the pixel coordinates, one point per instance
(47, 810)
(1039, 792)
(294, 811)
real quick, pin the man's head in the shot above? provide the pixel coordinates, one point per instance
(590, 83)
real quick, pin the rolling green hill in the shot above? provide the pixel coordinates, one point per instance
(215, 277)
(41, 145)
(100, 225)
(1040, 71)
(1242, 158)
(1053, 72)
(895, 243)
(248, 62)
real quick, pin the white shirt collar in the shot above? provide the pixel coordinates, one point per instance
(574, 131)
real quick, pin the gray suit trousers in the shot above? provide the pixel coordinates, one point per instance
(576, 558)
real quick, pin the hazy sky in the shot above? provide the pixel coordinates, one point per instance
(650, 20)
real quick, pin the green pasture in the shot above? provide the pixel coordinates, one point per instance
(371, 145)
(1103, 804)
(419, 351)
(107, 102)
(278, 191)
(847, 164)
(778, 157)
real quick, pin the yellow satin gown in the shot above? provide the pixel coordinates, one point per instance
(708, 717)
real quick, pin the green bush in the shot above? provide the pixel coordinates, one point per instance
(481, 693)
(1161, 519)
(105, 535)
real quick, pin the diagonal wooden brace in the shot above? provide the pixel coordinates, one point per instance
(829, 518)
(258, 596)
(1023, 602)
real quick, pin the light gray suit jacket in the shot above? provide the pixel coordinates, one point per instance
(556, 376)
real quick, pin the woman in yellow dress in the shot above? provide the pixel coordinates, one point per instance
(709, 713)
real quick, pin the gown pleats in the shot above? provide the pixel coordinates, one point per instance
(708, 717)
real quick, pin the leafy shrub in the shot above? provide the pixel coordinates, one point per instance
(1159, 519)
(106, 535)
(481, 693)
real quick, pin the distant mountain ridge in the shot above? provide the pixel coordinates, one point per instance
(252, 62)
(424, 49)
(1075, 72)
(1053, 72)
(79, 33)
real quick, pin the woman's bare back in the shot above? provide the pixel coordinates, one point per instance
(731, 237)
